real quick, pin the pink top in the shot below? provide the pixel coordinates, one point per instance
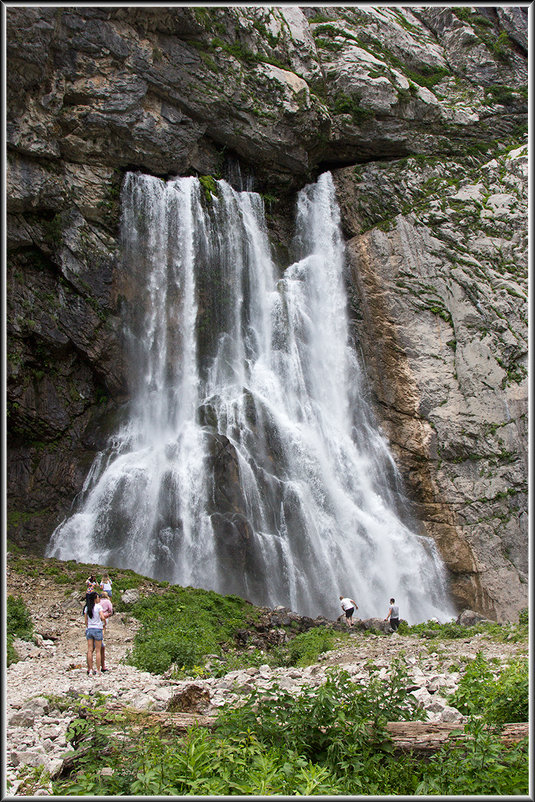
(107, 607)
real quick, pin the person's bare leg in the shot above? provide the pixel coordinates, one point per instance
(98, 654)
(102, 656)
(89, 656)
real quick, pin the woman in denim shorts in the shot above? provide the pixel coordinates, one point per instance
(94, 628)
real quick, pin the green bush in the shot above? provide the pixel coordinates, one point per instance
(18, 625)
(182, 625)
(18, 619)
(304, 648)
(509, 698)
(474, 687)
(452, 630)
(339, 710)
(498, 701)
(480, 766)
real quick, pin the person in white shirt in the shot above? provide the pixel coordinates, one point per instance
(393, 615)
(106, 584)
(348, 606)
(94, 628)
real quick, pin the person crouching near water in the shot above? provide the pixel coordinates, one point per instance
(107, 610)
(348, 606)
(94, 629)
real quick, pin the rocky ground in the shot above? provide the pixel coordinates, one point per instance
(52, 668)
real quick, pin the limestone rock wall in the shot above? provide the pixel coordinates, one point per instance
(285, 93)
(438, 256)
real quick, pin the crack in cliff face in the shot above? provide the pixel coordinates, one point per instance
(92, 93)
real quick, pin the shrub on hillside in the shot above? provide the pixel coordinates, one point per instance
(498, 701)
(305, 648)
(18, 625)
(509, 698)
(182, 625)
(18, 619)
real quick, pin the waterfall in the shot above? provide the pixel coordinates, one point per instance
(250, 462)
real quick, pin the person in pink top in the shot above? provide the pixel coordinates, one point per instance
(107, 610)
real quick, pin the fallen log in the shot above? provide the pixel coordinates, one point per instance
(139, 717)
(425, 737)
(420, 737)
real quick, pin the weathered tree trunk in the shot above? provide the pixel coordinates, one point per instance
(424, 737)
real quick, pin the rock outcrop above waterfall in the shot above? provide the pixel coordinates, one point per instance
(436, 232)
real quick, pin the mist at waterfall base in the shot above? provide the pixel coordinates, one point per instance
(250, 462)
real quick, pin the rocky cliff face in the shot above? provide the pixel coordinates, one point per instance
(419, 112)
(438, 256)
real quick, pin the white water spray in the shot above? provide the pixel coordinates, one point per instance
(250, 462)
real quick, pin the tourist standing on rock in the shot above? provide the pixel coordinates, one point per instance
(94, 628)
(348, 606)
(393, 614)
(106, 584)
(107, 609)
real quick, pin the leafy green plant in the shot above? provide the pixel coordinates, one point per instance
(480, 766)
(509, 697)
(498, 700)
(18, 619)
(181, 625)
(452, 630)
(329, 740)
(18, 625)
(474, 686)
(305, 648)
(312, 720)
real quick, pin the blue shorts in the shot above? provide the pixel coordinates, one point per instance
(94, 632)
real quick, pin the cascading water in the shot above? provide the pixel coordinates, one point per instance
(250, 462)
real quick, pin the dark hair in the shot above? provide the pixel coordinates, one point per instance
(392, 601)
(91, 601)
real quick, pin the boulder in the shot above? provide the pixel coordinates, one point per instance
(468, 618)
(193, 698)
(130, 596)
(373, 624)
